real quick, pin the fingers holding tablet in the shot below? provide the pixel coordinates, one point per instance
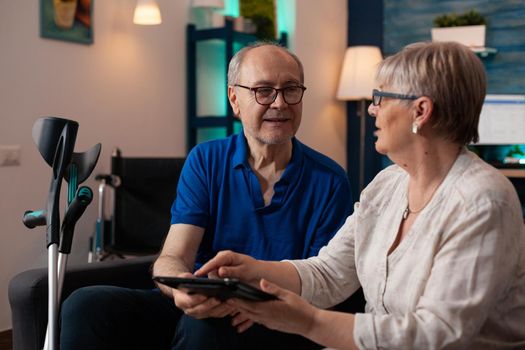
(222, 289)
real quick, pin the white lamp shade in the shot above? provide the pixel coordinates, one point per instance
(357, 76)
(147, 13)
(218, 4)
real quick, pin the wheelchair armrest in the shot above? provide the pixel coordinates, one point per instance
(28, 292)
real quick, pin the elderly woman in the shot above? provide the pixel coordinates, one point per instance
(436, 241)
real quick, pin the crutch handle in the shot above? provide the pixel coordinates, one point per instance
(32, 219)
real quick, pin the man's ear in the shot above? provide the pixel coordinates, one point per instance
(423, 108)
(234, 102)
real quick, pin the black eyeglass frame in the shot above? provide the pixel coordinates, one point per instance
(254, 90)
(379, 94)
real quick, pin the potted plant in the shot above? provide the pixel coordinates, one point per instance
(468, 28)
(65, 13)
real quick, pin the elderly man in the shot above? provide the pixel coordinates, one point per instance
(261, 193)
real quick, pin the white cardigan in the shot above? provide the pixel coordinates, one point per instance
(457, 280)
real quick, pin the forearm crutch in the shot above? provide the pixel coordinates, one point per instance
(55, 139)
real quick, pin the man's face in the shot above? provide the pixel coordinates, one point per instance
(277, 123)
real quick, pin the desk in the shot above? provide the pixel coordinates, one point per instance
(513, 172)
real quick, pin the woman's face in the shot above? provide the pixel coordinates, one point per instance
(394, 124)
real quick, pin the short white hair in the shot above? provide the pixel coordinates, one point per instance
(236, 61)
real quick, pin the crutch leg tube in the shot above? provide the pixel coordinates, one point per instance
(74, 211)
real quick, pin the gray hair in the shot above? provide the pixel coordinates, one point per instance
(450, 74)
(236, 61)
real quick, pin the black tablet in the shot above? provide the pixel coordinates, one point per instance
(222, 289)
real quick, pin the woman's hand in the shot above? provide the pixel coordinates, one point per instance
(290, 314)
(251, 271)
(232, 265)
(199, 306)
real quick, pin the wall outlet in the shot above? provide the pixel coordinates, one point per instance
(9, 155)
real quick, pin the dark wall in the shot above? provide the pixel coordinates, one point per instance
(505, 33)
(365, 27)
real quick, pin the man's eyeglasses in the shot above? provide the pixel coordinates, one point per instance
(266, 95)
(377, 95)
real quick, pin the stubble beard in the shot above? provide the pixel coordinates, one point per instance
(269, 139)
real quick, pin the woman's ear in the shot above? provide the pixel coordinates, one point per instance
(234, 102)
(423, 108)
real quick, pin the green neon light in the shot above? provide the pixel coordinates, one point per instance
(207, 134)
(231, 8)
(285, 17)
(237, 127)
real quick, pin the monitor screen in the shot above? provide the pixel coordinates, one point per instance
(502, 120)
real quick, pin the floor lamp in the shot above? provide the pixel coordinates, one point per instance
(356, 84)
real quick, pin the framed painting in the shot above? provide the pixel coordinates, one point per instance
(69, 20)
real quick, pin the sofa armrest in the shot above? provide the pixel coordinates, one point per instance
(28, 293)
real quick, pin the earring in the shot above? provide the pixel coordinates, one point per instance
(414, 128)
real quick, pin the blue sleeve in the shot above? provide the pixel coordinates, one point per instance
(335, 211)
(191, 205)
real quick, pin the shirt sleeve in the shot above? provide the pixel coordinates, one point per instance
(191, 206)
(335, 212)
(473, 268)
(331, 277)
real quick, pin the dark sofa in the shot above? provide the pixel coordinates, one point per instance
(28, 293)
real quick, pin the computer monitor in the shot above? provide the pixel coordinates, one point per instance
(502, 120)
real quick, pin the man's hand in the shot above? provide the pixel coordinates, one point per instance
(199, 306)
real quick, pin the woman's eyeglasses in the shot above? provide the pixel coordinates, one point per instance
(377, 95)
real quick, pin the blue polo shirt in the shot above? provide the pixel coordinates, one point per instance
(219, 191)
